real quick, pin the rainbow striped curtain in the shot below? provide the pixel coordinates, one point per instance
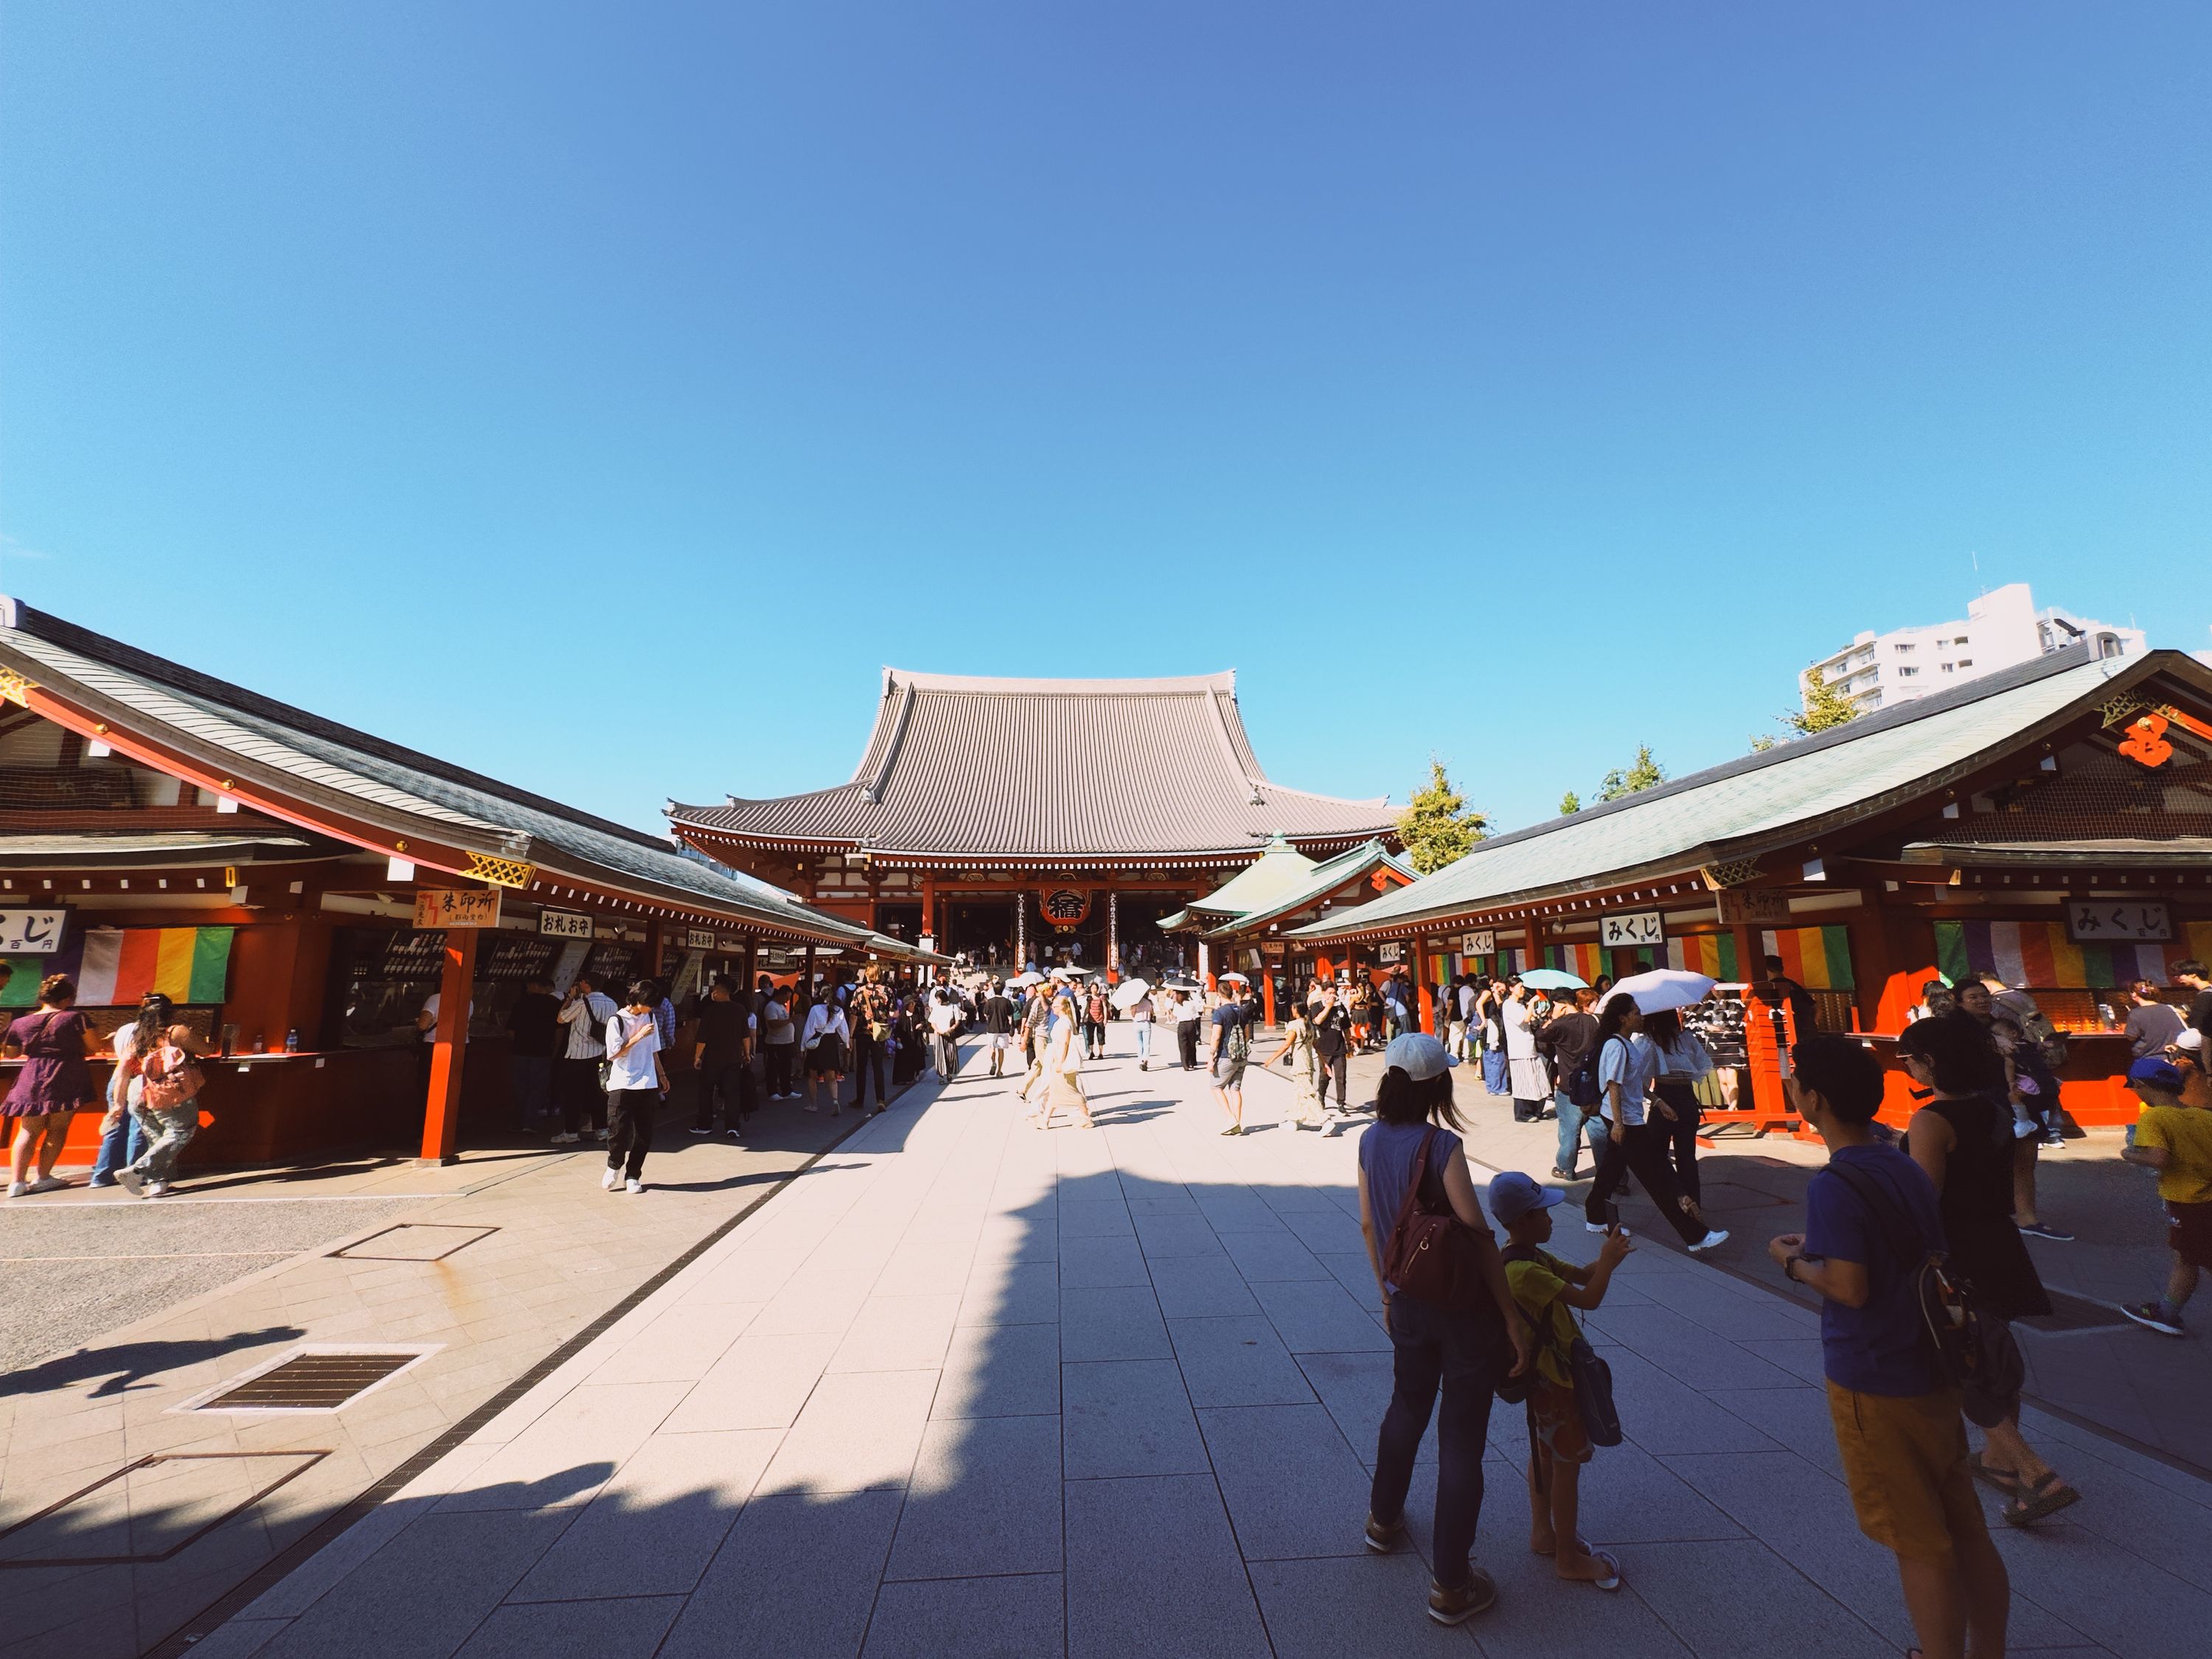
(1712, 955)
(2041, 953)
(1584, 961)
(113, 966)
(1818, 958)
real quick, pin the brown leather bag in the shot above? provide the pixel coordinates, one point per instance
(1430, 1255)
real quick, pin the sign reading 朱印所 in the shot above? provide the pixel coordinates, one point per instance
(448, 907)
(2089, 921)
(31, 932)
(1631, 930)
(563, 924)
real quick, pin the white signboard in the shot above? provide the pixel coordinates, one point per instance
(1388, 952)
(31, 932)
(563, 924)
(2092, 920)
(1481, 943)
(440, 907)
(1634, 931)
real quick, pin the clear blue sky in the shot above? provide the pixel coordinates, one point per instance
(599, 396)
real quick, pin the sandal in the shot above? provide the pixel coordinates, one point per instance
(2003, 1480)
(1612, 1579)
(2036, 1499)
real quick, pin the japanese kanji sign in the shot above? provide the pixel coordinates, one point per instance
(1633, 930)
(2089, 921)
(445, 907)
(31, 932)
(1481, 943)
(563, 924)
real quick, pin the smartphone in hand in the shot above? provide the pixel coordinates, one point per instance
(1613, 1214)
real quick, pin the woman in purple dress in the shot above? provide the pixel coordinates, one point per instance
(54, 1084)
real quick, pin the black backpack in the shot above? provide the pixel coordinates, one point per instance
(1975, 1352)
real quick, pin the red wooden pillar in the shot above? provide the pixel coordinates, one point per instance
(1426, 1004)
(441, 1115)
(1267, 990)
(929, 909)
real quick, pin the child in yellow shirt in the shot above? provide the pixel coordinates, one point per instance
(2174, 1139)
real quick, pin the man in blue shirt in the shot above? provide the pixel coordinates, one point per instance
(1898, 1427)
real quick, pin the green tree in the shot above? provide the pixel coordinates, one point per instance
(1437, 826)
(1826, 706)
(1569, 803)
(1642, 773)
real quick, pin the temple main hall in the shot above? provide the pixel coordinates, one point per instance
(1041, 821)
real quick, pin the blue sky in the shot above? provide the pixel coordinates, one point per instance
(599, 395)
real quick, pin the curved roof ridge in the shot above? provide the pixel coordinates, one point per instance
(992, 685)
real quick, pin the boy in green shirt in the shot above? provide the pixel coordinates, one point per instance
(2174, 1139)
(1546, 1287)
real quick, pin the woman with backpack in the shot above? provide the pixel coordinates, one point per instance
(53, 1086)
(1413, 1170)
(827, 1036)
(1626, 1063)
(1094, 1021)
(1964, 1140)
(166, 1105)
(1569, 1040)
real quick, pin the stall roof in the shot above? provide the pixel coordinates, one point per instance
(1319, 882)
(960, 767)
(361, 787)
(1768, 801)
(1279, 869)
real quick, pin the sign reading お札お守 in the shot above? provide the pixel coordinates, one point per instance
(446, 906)
(31, 932)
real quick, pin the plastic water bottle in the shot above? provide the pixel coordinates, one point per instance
(292, 1041)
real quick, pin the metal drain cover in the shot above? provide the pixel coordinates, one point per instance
(317, 1377)
(413, 1241)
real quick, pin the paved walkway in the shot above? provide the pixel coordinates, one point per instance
(122, 1517)
(967, 1388)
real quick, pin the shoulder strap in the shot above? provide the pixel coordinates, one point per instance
(1413, 1180)
(1897, 1223)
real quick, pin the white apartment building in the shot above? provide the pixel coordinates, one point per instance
(2001, 628)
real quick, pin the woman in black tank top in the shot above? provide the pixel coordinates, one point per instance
(1963, 1140)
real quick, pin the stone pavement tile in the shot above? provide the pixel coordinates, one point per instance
(1665, 1418)
(1293, 1487)
(1178, 1202)
(897, 1334)
(859, 1429)
(1001, 1371)
(2164, 1526)
(927, 1269)
(1024, 1238)
(1326, 1231)
(1686, 1349)
(1092, 1263)
(1356, 1390)
(1235, 1210)
(1094, 1218)
(796, 1575)
(1628, 1496)
(1355, 1273)
(420, 1596)
(1007, 1618)
(747, 1274)
(760, 1383)
(680, 1347)
(812, 1302)
(1799, 1356)
(1196, 1287)
(1374, 1607)
(1806, 1517)
(1176, 1234)
(241, 1638)
(1537, 1617)
(1319, 1315)
(2109, 1594)
(1111, 1322)
(1795, 1418)
(1011, 1293)
(630, 1628)
(1237, 1362)
(653, 1528)
(985, 1498)
(570, 1451)
(1127, 1418)
(1152, 1568)
(1276, 1254)
(1718, 1304)
(1745, 1602)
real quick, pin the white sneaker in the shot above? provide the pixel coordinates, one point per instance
(1719, 1236)
(562, 1140)
(131, 1182)
(635, 1188)
(157, 1189)
(610, 1180)
(17, 1189)
(48, 1184)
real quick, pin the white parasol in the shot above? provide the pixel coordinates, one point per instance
(1025, 980)
(1129, 992)
(1664, 988)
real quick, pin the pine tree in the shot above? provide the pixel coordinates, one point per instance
(1437, 826)
(1826, 706)
(1642, 773)
(1570, 804)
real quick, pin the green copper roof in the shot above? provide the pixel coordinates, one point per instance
(1279, 869)
(1764, 802)
(1319, 882)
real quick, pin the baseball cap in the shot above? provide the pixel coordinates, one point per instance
(1513, 1195)
(1418, 1055)
(2193, 1039)
(2156, 1073)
